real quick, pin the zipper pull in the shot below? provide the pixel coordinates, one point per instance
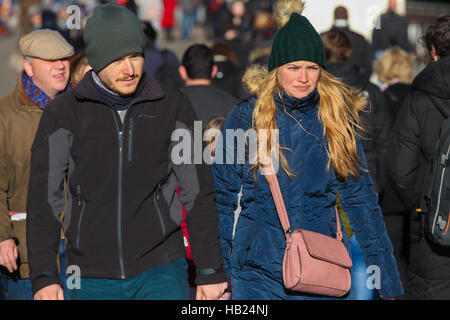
(79, 195)
(159, 189)
(130, 129)
(120, 141)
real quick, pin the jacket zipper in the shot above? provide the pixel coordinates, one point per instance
(119, 197)
(155, 201)
(81, 204)
(130, 140)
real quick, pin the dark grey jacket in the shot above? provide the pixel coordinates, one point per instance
(123, 214)
(209, 101)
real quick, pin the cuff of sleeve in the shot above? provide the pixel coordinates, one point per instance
(386, 294)
(210, 276)
(44, 280)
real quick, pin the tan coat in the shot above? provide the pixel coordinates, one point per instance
(19, 119)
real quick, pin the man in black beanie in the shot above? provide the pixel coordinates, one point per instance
(110, 140)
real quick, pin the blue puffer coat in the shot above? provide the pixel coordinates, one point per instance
(255, 255)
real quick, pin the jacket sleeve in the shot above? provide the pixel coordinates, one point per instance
(197, 194)
(6, 231)
(360, 203)
(228, 182)
(45, 203)
(405, 156)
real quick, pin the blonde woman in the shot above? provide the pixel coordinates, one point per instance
(394, 70)
(314, 116)
(393, 66)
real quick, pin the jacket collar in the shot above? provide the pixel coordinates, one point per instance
(23, 100)
(305, 105)
(86, 90)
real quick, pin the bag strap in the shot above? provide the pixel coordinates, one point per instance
(281, 208)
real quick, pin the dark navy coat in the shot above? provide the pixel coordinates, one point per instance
(254, 256)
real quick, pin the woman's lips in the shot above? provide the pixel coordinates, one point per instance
(301, 88)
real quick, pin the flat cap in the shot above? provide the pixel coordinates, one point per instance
(45, 44)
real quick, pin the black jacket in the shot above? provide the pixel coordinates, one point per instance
(362, 54)
(391, 31)
(413, 142)
(228, 78)
(416, 131)
(395, 94)
(123, 214)
(209, 101)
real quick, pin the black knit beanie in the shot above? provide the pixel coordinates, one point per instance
(112, 32)
(297, 40)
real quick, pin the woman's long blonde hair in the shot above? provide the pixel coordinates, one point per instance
(339, 109)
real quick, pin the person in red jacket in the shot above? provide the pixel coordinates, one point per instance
(168, 18)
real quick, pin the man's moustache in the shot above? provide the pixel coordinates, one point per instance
(128, 78)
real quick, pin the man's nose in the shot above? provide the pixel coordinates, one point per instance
(128, 68)
(58, 64)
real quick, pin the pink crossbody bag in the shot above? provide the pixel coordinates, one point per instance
(313, 262)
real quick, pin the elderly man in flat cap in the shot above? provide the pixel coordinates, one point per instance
(111, 138)
(45, 75)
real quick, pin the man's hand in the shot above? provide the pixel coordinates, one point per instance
(211, 291)
(51, 292)
(8, 254)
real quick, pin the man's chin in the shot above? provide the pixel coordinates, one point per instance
(126, 91)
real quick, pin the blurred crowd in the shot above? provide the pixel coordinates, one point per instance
(240, 33)
(240, 30)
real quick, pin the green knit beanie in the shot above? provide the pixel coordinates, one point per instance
(112, 32)
(297, 40)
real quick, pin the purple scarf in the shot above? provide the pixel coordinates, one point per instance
(39, 98)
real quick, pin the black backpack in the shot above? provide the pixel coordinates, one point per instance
(437, 195)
